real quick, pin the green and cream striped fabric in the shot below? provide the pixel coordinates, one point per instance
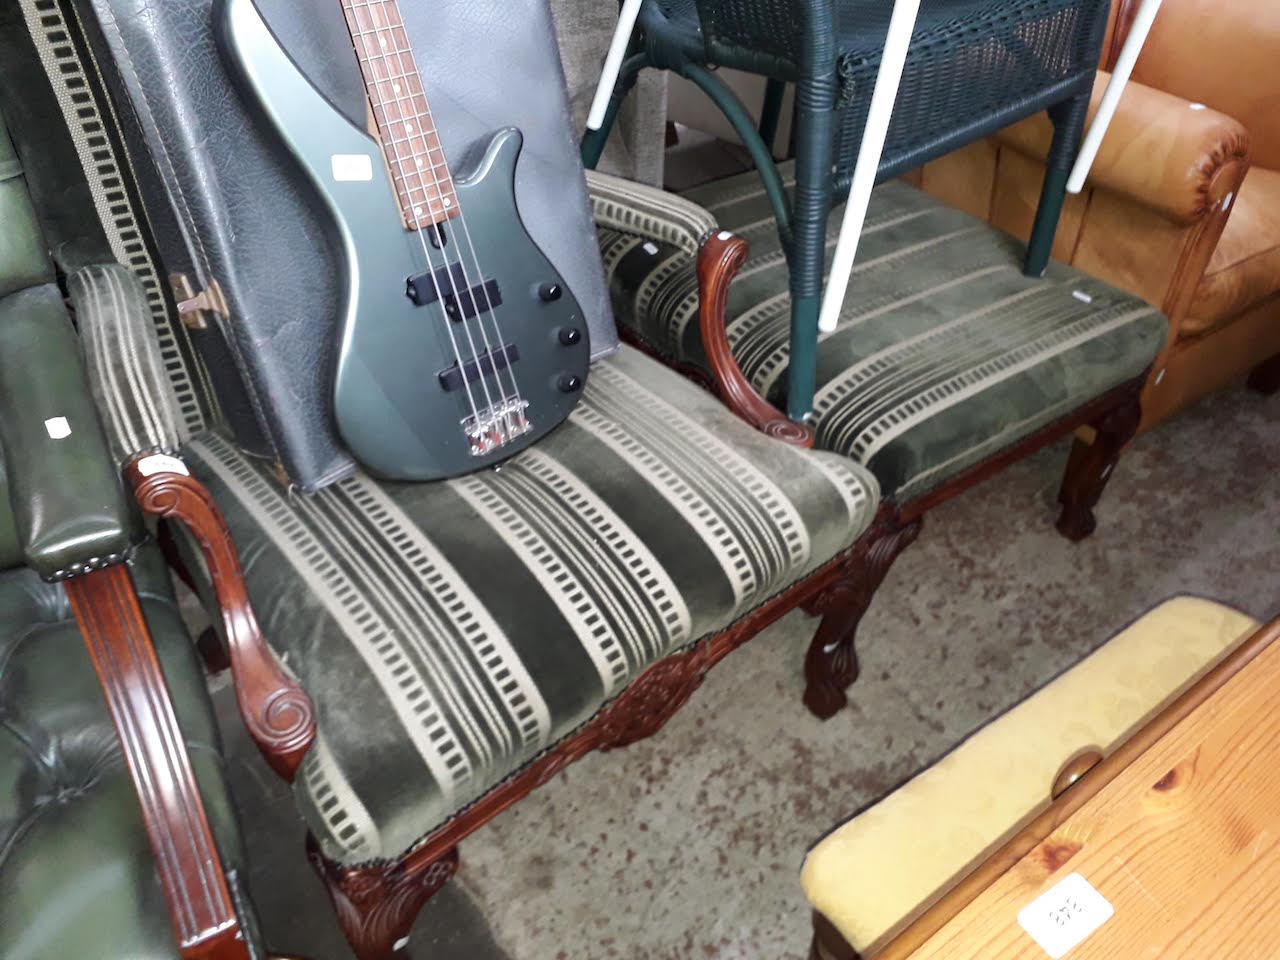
(131, 386)
(449, 632)
(945, 353)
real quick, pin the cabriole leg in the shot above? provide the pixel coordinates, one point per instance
(831, 664)
(1090, 467)
(376, 905)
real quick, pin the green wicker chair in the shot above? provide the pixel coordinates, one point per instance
(974, 66)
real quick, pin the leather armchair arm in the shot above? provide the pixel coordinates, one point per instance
(68, 505)
(205, 921)
(1161, 151)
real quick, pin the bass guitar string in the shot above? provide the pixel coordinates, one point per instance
(488, 307)
(383, 56)
(358, 39)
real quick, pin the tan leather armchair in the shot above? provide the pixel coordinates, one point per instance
(1172, 211)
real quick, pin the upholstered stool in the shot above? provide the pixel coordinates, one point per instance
(875, 873)
(945, 354)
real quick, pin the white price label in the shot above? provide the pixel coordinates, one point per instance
(58, 428)
(352, 166)
(1064, 915)
(162, 463)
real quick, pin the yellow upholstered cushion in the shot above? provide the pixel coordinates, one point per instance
(877, 872)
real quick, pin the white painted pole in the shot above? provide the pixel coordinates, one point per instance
(613, 63)
(898, 40)
(1111, 96)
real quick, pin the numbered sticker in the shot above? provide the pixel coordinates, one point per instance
(1065, 915)
(162, 463)
(348, 167)
(58, 428)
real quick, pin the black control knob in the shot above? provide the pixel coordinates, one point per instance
(569, 336)
(568, 383)
(550, 292)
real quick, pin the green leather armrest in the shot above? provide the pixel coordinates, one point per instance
(10, 549)
(68, 503)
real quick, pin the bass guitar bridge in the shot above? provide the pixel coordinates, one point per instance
(496, 425)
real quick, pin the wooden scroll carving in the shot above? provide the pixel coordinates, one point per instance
(187, 861)
(276, 710)
(719, 260)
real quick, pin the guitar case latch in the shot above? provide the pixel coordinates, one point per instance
(192, 305)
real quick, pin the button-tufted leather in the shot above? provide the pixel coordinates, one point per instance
(23, 260)
(77, 875)
(10, 549)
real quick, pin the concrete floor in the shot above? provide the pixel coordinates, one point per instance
(689, 845)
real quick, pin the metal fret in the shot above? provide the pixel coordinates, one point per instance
(384, 55)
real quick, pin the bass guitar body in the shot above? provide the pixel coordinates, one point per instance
(460, 344)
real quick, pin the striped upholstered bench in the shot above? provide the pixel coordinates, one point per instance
(874, 874)
(947, 362)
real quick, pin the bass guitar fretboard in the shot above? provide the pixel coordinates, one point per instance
(400, 109)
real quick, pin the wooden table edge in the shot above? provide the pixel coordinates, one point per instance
(957, 898)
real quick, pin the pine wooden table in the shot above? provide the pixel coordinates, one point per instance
(1178, 831)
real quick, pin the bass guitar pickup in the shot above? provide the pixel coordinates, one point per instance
(450, 285)
(486, 364)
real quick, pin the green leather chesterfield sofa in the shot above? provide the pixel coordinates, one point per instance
(85, 606)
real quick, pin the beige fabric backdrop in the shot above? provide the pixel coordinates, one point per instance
(635, 148)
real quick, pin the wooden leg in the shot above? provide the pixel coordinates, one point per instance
(1089, 468)
(376, 905)
(829, 943)
(831, 664)
(1265, 378)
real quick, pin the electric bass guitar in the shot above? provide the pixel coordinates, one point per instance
(460, 343)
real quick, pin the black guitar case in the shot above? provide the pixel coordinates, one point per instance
(227, 203)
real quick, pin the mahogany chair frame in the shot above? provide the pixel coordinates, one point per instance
(277, 711)
(205, 922)
(376, 903)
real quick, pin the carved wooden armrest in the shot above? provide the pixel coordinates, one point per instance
(720, 258)
(200, 905)
(276, 710)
